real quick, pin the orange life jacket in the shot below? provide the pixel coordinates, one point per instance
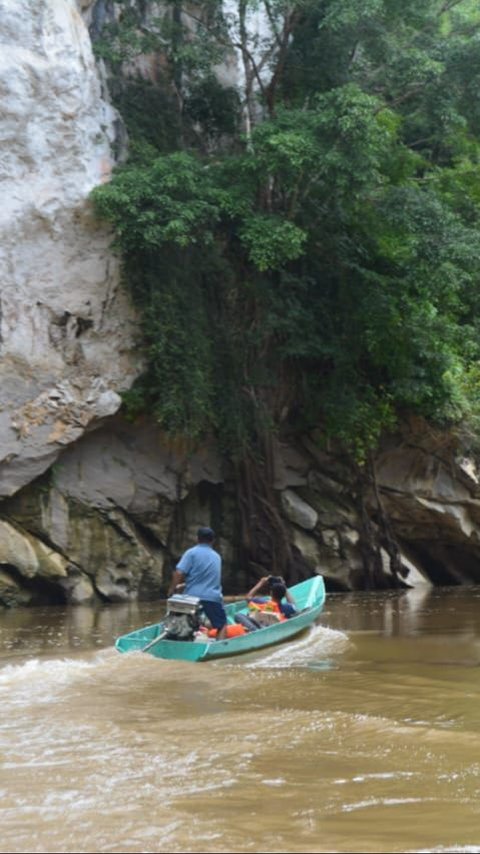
(233, 631)
(271, 606)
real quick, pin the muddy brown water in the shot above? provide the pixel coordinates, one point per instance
(363, 735)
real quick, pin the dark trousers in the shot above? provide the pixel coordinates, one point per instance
(247, 622)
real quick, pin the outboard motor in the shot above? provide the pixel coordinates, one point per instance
(183, 617)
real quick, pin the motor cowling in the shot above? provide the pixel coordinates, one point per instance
(183, 617)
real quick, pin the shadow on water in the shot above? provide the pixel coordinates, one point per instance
(58, 629)
(407, 613)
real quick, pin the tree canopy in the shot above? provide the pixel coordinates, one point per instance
(305, 245)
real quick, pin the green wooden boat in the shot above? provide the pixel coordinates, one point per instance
(309, 596)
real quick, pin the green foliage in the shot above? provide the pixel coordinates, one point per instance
(213, 107)
(178, 340)
(325, 270)
(271, 241)
(150, 115)
(173, 201)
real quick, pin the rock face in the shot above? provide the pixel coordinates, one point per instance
(432, 497)
(66, 328)
(115, 511)
(110, 519)
(93, 507)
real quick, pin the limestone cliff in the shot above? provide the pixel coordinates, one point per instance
(66, 327)
(94, 507)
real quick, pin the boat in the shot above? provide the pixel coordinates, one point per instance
(309, 597)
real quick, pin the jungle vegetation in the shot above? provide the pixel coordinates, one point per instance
(304, 245)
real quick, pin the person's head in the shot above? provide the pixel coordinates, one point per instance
(275, 579)
(205, 535)
(278, 591)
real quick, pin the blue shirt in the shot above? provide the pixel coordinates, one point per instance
(202, 568)
(288, 610)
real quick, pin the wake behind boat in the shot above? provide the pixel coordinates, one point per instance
(309, 596)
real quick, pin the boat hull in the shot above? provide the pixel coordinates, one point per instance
(309, 596)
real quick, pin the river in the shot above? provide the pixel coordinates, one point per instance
(361, 736)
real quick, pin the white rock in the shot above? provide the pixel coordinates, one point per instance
(63, 317)
(298, 511)
(30, 556)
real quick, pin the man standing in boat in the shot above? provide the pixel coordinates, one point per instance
(200, 569)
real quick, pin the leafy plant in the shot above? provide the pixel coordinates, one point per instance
(322, 268)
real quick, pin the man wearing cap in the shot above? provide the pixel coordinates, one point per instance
(200, 569)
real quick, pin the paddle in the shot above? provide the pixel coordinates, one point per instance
(153, 642)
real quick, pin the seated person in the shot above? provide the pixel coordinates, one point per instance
(248, 623)
(273, 603)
